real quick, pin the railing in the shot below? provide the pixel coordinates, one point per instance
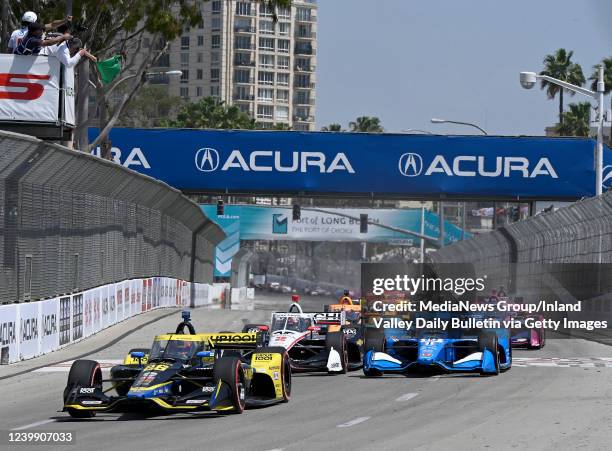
(250, 81)
(299, 68)
(309, 35)
(305, 51)
(244, 98)
(297, 84)
(244, 63)
(240, 29)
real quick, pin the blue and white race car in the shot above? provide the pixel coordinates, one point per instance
(484, 351)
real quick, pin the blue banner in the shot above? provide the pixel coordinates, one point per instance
(323, 162)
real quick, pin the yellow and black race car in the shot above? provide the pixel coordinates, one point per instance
(222, 372)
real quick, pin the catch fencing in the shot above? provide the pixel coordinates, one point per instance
(71, 221)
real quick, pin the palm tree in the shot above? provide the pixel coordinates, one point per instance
(576, 120)
(607, 64)
(334, 127)
(366, 124)
(560, 66)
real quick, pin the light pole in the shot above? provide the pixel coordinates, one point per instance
(435, 120)
(528, 81)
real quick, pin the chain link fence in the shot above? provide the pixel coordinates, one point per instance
(71, 222)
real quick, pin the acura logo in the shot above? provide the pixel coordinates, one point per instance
(410, 164)
(606, 177)
(207, 159)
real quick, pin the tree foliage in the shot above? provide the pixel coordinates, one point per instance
(151, 107)
(211, 113)
(333, 127)
(559, 65)
(576, 120)
(366, 124)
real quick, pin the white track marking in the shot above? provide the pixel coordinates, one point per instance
(348, 424)
(407, 397)
(64, 367)
(33, 425)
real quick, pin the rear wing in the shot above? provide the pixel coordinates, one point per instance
(318, 318)
(231, 340)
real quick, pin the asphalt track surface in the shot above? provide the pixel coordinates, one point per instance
(529, 407)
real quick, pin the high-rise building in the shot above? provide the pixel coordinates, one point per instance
(241, 56)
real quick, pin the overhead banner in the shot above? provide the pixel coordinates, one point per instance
(361, 163)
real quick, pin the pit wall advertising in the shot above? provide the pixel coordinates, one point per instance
(31, 329)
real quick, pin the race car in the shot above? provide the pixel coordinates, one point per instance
(184, 372)
(311, 344)
(528, 337)
(352, 327)
(484, 351)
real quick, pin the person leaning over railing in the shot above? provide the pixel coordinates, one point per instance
(33, 41)
(69, 52)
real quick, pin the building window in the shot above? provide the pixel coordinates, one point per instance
(282, 113)
(266, 44)
(200, 57)
(266, 78)
(243, 9)
(265, 95)
(215, 24)
(216, 41)
(283, 13)
(242, 76)
(214, 58)
(284, 28)
(184, 59)
(266, 60)
(198, 91)
(245, 108)
(303, 97)
(282, 79)
(201, 25)
(266, 27)
(302, 64)
(214, 91)
(199, 74)
(282, 95)
(283, 45)
(266, 10)
(243, 43)
(184, 42)
(216, 6)
(304, 14)
(282, 62)
(200, 41)
(302, 81)
(242, 93)
(214, 75)
(184, 92)
(304, 48)
(185, 76)
(265, 111)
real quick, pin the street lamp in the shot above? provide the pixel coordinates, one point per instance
(435, 120)
(529, 80)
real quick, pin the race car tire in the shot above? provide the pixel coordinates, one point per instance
(286, 366)
(372, 373)
(374, 340)
(337, 340)
(488, 340)
(83, 373)
(229, 370)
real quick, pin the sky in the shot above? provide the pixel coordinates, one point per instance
(407, 61)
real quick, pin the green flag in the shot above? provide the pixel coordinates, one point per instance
(109, 69)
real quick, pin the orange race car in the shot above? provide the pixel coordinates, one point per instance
(351, 327)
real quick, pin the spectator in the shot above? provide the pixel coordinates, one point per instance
(69, 52)
(28, 18)
(32, 43)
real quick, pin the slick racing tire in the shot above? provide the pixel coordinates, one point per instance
(488, 340)
(286, 368)
(83, 373)
(337, 340)
(374, 340)
(229, 370)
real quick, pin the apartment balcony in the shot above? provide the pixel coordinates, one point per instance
(242, 63)
(250, 81)
(244, 98)
(250, 13)
(244, 47)
(304, 85)
(241, 29)
(303, 118)
(308, 69)
(311, 18)
(305, 51)
(303, 102)
(306, 36)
